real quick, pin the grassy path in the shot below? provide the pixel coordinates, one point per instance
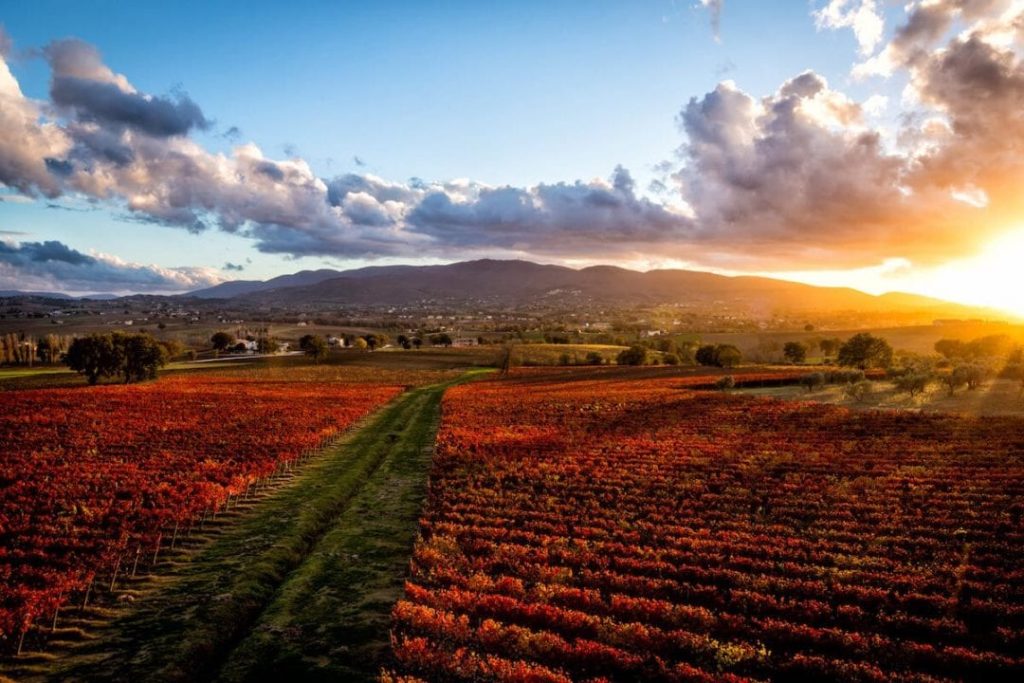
(298, 586)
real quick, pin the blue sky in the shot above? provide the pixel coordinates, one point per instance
(501, 94)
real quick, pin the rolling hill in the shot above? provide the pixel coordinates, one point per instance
(518, 283)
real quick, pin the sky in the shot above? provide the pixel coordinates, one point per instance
(165, 147)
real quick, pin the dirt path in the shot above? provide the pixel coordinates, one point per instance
(295, 585)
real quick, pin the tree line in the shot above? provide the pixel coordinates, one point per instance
(131, 357)
(21, 349)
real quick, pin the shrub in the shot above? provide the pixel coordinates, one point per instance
(912, 382)
(859, 391)
(634, 355)
(725, 383)
(795, 352)
(722, 355)
(812, 381)
(973, 375)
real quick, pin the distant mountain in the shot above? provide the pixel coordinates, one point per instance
(8, 293)
(58, 295)
(228, 290)
(100, 297)
(517, 283)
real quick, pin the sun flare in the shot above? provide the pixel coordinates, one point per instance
(994, 277)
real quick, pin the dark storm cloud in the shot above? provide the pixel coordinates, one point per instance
(106, 103)
(83, 84)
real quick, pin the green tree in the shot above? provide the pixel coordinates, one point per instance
(722, 356)
(954, 379)
(222, 340)
(812, 381)
(912, 383)
(1015, 370)
(45, 350)
(665, 345)
(417, 343)
(135, 357)
(829, 347)
(991, 346)
(687, 352)
(141, 355)
(594, 358)
(727, 356)
(705, 355)
(92, 356)
(172, 348)
(442, 339)
(403, 341)
(973, 375)
(634, 355)
(314, 346)
(795, 352)
(865, 351)
(858, 392)
(371, 341)
(951, 348)
(266, 344)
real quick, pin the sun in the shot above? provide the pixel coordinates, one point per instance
(994, 277)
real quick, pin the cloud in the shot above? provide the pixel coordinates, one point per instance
(776, 175)
(54, 266)
(714, 8)
(965, 71)
(861, 16)
(26, 143)
(6, 44)
(580, 218)
(15, 199)
(233, 267)
(83, 84)
(802, 173)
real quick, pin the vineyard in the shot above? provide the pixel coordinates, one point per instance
(93, 481)
(600, 529)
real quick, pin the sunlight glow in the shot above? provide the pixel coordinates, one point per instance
(995, 277)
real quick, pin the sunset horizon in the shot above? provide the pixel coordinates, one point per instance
(870, 166)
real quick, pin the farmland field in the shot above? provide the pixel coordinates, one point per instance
(630, 529)
(997, 397)
(580, 524)
(93, 480)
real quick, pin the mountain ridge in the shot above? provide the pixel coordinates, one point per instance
(519, 282)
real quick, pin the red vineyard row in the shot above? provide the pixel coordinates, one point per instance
(598, 529)
(93, 479)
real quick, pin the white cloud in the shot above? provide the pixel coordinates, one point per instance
(861, 16)
(54, 266)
